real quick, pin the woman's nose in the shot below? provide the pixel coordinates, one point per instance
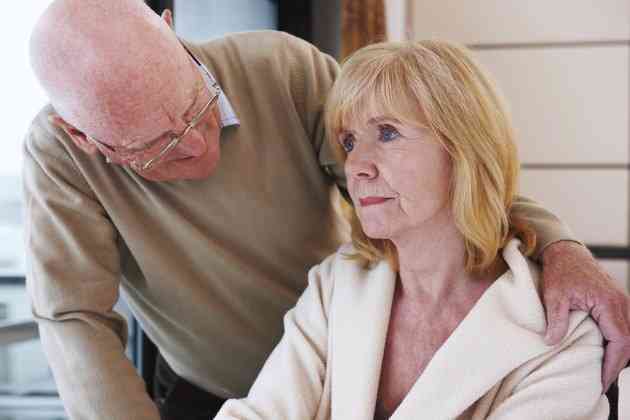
(362, 167)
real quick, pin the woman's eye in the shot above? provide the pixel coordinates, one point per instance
(388, 133)
(348, 143)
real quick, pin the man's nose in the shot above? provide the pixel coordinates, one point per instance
(193, 144)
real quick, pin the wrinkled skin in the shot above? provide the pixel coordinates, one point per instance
(573, 280)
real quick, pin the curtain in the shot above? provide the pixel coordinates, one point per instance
(362, 23)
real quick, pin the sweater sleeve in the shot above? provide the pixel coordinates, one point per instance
(291, 385)
(73, 282)
(565, 384)
(312, 76)
(548, 227)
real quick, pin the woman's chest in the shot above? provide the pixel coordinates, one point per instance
(412, 341)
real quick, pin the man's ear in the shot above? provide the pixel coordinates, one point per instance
(167, 15)
(78, 137)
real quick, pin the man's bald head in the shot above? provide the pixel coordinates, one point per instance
(113, 69)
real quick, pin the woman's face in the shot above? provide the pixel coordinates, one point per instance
(398, 175)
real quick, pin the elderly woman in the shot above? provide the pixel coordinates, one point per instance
(433, 311)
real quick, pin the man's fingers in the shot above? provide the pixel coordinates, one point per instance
(616, 358)
(612, 319)
(167, 15)
(557, 320)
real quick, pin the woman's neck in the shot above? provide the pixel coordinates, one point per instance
(432, 261)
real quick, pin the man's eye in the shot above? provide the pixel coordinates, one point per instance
(348, 143)
(388, 133)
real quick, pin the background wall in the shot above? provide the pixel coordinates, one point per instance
(196, 20)
(563, 67)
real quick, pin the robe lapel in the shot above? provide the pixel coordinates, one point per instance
(362, 304)
(502, 331)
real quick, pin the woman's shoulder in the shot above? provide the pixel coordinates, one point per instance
(523, 269)
(343, 261)
(521, 286)
(341, 269)
(340, 260)
(323, 277)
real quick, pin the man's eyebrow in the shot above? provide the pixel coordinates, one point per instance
(130, 148)
(198, 93)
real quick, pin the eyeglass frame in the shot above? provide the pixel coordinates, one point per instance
(175, 140)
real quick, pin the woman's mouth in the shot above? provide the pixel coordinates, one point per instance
(370, 201)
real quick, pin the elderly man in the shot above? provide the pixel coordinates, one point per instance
(198, 179)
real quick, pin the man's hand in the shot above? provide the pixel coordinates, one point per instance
(573, 280)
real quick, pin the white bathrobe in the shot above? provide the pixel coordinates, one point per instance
(495, 364)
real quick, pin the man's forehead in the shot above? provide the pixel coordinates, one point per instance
(166, 120)
(133, 122)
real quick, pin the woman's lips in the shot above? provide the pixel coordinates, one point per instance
(370, 201)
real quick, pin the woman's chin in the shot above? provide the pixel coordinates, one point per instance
(375, 232)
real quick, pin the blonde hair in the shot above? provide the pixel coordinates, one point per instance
(438, 84)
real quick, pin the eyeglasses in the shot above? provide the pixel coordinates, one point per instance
(144, 163)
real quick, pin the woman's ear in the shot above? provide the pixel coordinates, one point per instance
(78, 137)
(167, 15)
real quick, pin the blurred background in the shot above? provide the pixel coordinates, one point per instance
(563, 66)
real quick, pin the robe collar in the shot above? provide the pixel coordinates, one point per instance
(503, 330)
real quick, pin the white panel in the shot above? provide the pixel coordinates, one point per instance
(619, 272)
(500, 21)
(396, 19)
(569, 105)
(594, 203)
